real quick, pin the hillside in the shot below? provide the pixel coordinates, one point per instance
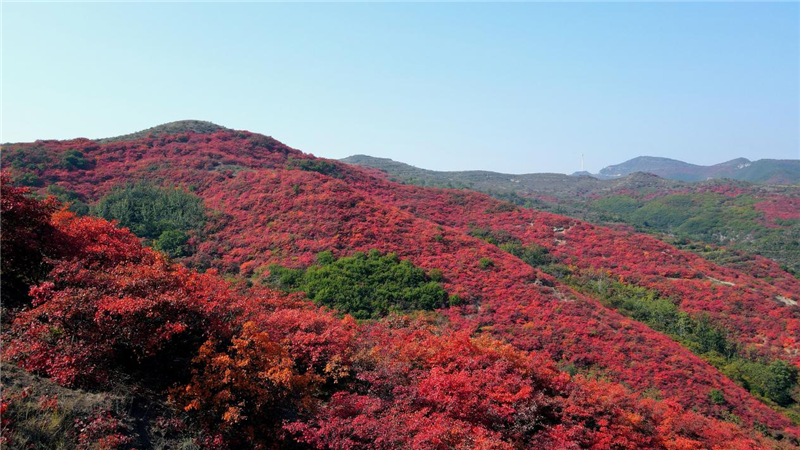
(768, 171)
(484, 181)
(181, 126)
(524, 329)
(742, 217)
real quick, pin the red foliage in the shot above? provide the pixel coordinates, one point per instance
(246, 388)
(102, 431)
(424, 390)
(273, 213)
(27, 240)
(779, 208)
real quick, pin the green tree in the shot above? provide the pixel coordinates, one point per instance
(366, 285)
(164, 216)
(780, 382)
(173, 243)
(75, 159)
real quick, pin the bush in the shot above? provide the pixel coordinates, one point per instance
(74, 159)
(485, 263)
(164, 216)
(173, 243)
(315, 165)
(364, 285)
(716, 396)
(533, 255)
(29, 179)
(775, 380)
(67, 196)
(28, 240)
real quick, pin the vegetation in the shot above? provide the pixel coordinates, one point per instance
(714, 212)
(314, 165)
(532, 254)
(172, 128)
(107, 314)
(365, 285)
(30, 179)
(69, 197)
(711, 217)
(697, 216)
(163, 216)
(263, 369)
(776, 381)
(34, 159)
(40, 415)
(75, 160)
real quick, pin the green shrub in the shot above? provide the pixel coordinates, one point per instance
(533, 255)
(485, 263)
(74, 160)
(29, 179)
(164, 216)
(617, 204)
(366, 285)
(776, 380)
(27, 159)
(314, 165)
(716, 397)
(65, 196)
(173, 243)
(494, 237)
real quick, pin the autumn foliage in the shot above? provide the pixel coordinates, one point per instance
(246, 363)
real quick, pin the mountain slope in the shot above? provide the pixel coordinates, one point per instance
(274, 204)
(770, 171)
(757, 219)
(485, 181)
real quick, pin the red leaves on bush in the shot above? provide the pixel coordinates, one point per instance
(269, 212)
(420, 389)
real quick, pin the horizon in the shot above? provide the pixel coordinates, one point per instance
(511, 88)
(419, 167)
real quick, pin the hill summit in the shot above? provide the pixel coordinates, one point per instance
(178, 126)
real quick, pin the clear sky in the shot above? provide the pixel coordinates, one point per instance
(513, 87)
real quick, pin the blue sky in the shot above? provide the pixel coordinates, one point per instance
(514, 87)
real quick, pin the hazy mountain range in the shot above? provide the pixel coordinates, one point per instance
(766, 171)
(769, 171)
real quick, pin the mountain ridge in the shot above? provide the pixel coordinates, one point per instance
(769, 171)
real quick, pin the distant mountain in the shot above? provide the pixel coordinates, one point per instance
(697, 211)
(555, 184)
(768, 171)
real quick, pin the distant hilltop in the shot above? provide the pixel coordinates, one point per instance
(767, 171)
(638, 170)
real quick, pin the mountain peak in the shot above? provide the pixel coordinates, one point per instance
(178, 126)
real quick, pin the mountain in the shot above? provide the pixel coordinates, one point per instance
(273, 298)
(769, 171)
(181, 126)
(485, 181)
(736, 214)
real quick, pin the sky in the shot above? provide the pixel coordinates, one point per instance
(510, 87)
